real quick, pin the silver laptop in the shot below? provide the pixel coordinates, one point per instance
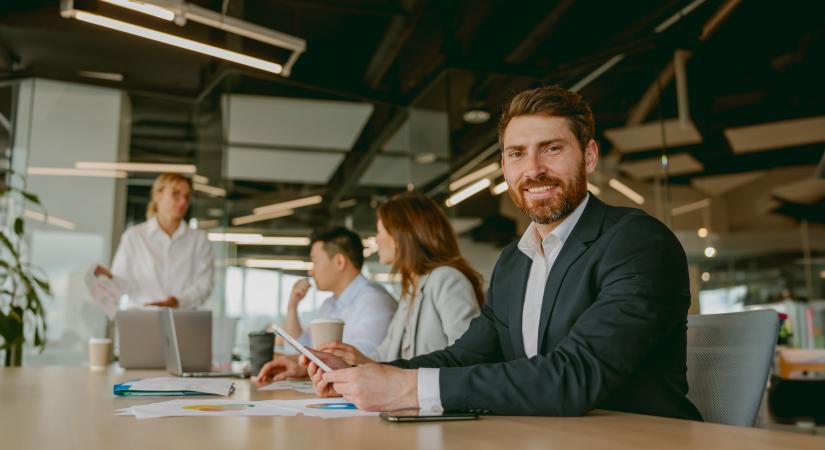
(139, 339)
(187, 344)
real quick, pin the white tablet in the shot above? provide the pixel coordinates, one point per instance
(297, 346)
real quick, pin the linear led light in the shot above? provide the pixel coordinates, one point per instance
(279, 240)
(285, 264)
(626, 191)
(234, 237)
(136, 167)
(597, 73)
(69, 172)
(152, 10)
(469, 178)
(500, 188)
(210, 190)
(200, 179)
(690, 207)
(678, 16)
(175, 41)
(252, 218)
(51, 220)
(292, 204)
(468, 192)
(593, 188)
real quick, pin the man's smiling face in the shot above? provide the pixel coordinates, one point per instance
(545, 167)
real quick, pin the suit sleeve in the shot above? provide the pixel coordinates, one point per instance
(643, 292)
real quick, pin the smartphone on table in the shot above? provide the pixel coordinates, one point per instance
(415, 415)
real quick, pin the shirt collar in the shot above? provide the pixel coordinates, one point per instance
(154, 228)
(529, 242)
(351, 292)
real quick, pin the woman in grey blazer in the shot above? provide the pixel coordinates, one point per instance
(440, 292)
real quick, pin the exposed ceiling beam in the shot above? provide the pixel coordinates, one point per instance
(385, 120)
(396, 36)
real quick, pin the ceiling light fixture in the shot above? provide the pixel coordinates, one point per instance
(710, 252)
(468, 192)
(593, 188)
(51, 220)
(234, 237)
(252, 218)
(469, 178)
(500, 188)
(108, 76)
(626, 191)
(137, 167)
(476, 116)
(180, 12)
(690, 207)
(702, 232)
(288, 241)
(69, 172)
(291, 204)
(210, 190)
(284, 264)
(175, 41)
(145, 8)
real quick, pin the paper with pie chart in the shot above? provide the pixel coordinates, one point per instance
(316, 407)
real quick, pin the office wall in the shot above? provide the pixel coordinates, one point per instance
(57, 125)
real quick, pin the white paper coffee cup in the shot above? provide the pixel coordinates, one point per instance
(100, 352)
(324, 331)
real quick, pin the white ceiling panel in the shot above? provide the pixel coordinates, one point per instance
(396, 171)
(292, 166)
(290, 122)
(785, 133)
(720, 184)
(649, 136)
(679, 164)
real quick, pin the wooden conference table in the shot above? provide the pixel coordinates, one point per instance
(73, 408)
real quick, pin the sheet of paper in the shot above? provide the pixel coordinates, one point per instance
(304, 387)
(217, 386)
(105, 292)
(325, 408)
(201, 408)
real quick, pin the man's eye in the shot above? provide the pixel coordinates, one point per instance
(515, 154)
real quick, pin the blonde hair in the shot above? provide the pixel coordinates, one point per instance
(163, 181)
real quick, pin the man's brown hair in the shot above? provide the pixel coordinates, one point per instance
(551, 101)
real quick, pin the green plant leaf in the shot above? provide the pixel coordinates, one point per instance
(43, 284)
(18, 226)
(7, 243)
(31, 197)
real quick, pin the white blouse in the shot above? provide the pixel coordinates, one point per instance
(155, 266)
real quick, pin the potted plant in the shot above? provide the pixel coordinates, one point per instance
(22, 317)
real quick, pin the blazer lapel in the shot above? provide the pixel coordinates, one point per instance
(518, 286)
(585, 232)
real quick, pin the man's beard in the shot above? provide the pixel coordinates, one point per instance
(556, 208)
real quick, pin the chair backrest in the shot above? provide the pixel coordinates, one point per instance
(729, 358)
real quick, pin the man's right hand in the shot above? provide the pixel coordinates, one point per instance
(100, 270)
(299, 291)
(280, 368)
(322, 388)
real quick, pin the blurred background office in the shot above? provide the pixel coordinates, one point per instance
(710, 116)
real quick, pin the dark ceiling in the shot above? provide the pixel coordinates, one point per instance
(765, 62)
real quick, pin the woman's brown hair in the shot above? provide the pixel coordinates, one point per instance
(424, 240)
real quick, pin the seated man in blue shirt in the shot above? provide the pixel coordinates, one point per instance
(366, 308)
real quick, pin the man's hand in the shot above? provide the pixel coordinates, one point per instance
(346, 352)
(322, 387)
(170, 302)
(100, 270)
(376, 387)
(280, 368)
(299, 291)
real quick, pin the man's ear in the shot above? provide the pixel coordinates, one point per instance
(340, 261)
(591, 156)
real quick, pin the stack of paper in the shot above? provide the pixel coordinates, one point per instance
(323, 408)
(172, 386)
(105, 291)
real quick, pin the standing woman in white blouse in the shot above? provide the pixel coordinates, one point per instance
(162, 261)
(440, 292)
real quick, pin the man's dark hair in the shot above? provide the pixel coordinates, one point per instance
(551, 101)
(341, 240)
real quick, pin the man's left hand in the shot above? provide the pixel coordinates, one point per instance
(170, 302)
(377, 387)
